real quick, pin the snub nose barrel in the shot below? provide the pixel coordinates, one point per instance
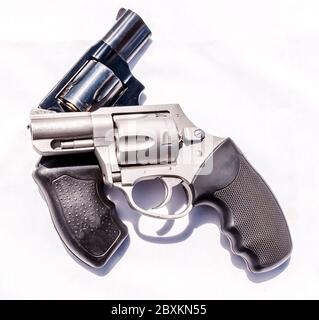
(128, 35)
(54, 127)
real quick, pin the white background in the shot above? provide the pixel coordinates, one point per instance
(244, 69)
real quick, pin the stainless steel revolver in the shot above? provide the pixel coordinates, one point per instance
(137, 143)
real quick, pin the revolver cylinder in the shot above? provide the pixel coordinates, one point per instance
(146, 139)
(94, 85)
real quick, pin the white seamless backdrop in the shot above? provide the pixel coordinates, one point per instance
(244, 69)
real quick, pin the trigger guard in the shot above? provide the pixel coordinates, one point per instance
(128, 190)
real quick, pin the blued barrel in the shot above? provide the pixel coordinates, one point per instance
(128, 35)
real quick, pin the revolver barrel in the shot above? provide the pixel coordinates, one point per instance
(128, 35)
(62, 126)
(57, 132)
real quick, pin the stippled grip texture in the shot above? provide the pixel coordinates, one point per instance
(84, 218)
(251, 215)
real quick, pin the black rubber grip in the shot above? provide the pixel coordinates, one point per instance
(251, 215)
(85, 219)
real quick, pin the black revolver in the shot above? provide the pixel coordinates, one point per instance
(100, 78)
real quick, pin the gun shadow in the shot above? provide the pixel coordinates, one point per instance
(146, 195)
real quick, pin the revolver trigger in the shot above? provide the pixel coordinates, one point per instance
(169, 184)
